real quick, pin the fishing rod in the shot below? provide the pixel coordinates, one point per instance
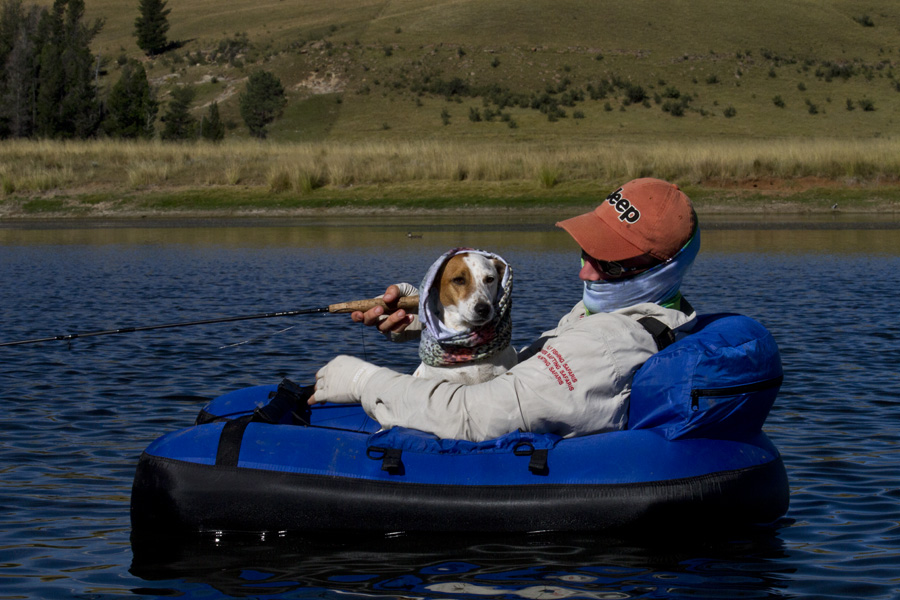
(408, 303)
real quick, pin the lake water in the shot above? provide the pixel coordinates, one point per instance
(75, 416)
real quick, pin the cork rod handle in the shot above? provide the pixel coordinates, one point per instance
(408, 303)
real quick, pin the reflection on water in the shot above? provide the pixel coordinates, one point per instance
(826, 241)
(532, 566)
(76, 416)
(722, 233)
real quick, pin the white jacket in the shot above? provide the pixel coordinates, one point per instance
(574, 380)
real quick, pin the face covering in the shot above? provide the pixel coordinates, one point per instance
(656, 285)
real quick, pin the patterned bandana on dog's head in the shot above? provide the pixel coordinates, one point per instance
(442, 346)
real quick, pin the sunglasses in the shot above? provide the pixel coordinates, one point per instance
(631, 266)
(616, 269)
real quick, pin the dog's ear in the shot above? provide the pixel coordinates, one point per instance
(501, 268)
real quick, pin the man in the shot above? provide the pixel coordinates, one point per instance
(575, 379)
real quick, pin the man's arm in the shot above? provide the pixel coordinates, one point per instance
(449, 410)
(577, 383)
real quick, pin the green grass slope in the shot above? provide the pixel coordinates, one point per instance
(560, 71)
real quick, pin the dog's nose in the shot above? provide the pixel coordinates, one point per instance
(483, 310)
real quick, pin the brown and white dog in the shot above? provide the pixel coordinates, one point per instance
(464, 307)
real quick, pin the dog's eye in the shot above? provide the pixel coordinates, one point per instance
(489, 279)
(459, 280)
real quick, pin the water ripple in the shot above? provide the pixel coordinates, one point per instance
(77, 415)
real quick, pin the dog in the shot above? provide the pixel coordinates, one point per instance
(464, 306)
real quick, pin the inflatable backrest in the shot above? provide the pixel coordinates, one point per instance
(718, 382)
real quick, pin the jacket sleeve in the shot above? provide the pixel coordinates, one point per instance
(449, 410)
(576, 383)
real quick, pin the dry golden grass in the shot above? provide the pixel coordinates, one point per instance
(32, 168)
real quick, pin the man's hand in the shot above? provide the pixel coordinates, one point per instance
(342, 380)
(394, 322)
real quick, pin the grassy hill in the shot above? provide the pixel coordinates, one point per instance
(624, 69)
(769, 105)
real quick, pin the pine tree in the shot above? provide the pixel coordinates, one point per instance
(151, 26)
(18, 68)
(180, 124)
(67, 105)
(19, 88)
(50, 67)
(131, 106)
(11, 16)
(211, 126)
(261, 102)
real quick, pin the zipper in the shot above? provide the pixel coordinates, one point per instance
(734, 391)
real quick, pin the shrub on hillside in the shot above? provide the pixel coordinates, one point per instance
(671, 92)
(676, 109)
(230, 49)
(635, 93)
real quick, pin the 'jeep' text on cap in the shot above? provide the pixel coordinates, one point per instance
(643, 217)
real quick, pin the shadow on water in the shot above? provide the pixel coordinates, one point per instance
(745, 564)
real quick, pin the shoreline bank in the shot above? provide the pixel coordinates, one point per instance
(751, 198)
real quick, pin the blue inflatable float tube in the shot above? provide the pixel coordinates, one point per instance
(259, 460)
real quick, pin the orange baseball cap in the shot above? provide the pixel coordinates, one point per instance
(643, 217)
